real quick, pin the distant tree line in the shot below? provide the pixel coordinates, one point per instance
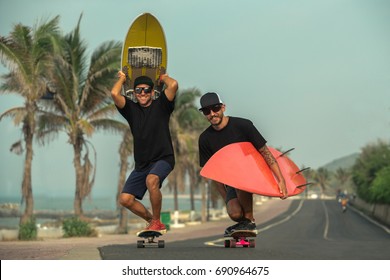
(368, 177)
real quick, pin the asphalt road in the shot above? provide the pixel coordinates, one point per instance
(309, 230)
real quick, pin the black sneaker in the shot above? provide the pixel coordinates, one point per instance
(242, 225)
(245, 225)
(230, 229)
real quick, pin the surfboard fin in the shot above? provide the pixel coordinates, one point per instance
(286, 152)
(304, 185)
(302, 170)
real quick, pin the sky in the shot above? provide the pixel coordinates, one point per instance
(313, 75)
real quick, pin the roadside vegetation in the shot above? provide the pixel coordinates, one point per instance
(371, 173)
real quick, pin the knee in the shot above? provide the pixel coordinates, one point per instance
(126, 200)
(152, 182)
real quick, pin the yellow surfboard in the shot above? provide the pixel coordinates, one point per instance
(144, 52)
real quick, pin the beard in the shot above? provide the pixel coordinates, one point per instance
(216, 121)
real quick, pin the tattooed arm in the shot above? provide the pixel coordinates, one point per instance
(273, 165)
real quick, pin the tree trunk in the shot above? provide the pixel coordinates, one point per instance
(77, 204)
(78, 207)
(123, 220)
(204, 203)
(193, 181)
(123, 212)
(27, 194)
(175, 197)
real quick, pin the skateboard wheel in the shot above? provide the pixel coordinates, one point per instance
(252, 243)
(140, 244)
(161, 244)
(227, 243)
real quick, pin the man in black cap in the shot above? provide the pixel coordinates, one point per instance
(223, 131)
(148, 118)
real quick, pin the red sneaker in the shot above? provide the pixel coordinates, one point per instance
(156, 225)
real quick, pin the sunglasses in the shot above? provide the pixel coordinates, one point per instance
(138, 90)
(216, 108)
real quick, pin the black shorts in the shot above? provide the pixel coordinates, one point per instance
(136, 183)
(230, 193)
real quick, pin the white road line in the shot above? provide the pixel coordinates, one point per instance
(326, 229)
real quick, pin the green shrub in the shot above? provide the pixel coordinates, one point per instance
(371, 173)
(76, 227)
(28, 230)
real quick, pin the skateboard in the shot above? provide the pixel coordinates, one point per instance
(149, 236)
(144, 53)
(243, 238)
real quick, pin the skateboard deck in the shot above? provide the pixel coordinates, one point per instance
(149, 236)
(242, 238)
(241, 166)
(144, 53)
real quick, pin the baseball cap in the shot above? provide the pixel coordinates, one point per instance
(209, 99)
(143, 80)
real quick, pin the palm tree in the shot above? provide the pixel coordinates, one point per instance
(186, 124)
(82, 104)
(322, 177)
(342, 176)
(26, 52)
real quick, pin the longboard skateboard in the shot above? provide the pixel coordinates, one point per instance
(149, 236)
(144, 53)
(242, 238)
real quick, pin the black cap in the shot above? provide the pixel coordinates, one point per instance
(209, 99)
(143, 80)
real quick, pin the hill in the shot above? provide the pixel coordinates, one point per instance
(343, 162)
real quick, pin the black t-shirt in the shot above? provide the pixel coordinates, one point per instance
(150, 129)
(236, 130)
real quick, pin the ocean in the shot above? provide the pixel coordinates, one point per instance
(96, 203)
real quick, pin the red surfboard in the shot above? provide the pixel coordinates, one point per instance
(241, 166)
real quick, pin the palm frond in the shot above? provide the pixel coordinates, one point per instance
(103, 67)
(17, 114)
(110, 125)
(17, 148)
(86, 127)
(105, 111)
